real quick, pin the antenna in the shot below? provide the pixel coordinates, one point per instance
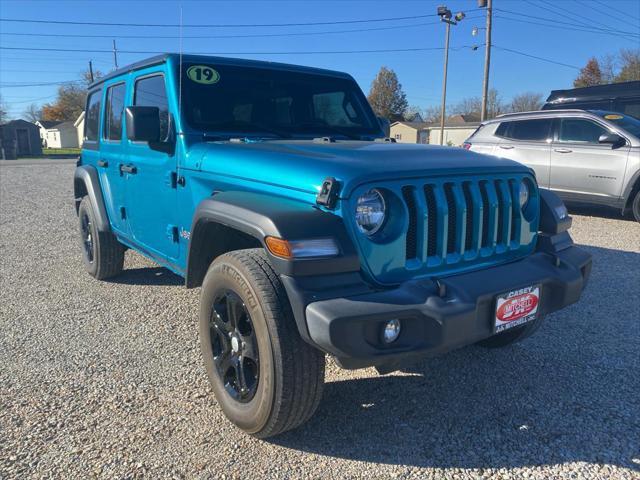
(180, 69)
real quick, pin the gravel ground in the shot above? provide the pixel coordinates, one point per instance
(106, 379)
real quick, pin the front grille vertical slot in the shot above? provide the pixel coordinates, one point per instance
(504, 213)
(411, 239)
(516, 218)
(471, 224)
(452, 223)
(432, 232)
(490, 222)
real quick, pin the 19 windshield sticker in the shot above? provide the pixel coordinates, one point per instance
(203, 74)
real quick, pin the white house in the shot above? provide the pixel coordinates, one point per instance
(56, 134)
(457, 129)
(79, 124)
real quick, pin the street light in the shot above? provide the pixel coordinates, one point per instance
(445, 15)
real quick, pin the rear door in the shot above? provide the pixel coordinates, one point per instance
(582, 167)
(527, 142)
(151, 187)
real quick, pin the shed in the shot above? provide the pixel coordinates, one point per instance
(56, 134)
(79, 126)
(19, 138)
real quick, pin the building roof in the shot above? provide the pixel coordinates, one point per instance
(47, 124)
(414, 125)
(21, 121)
(79, 120)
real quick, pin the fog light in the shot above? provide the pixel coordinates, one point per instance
(391, 331)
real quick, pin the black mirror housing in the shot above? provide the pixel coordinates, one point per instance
(143, 124)
(612, 139)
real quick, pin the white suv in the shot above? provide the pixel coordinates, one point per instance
(588, 156)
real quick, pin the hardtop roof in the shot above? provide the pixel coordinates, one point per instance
(158, 59)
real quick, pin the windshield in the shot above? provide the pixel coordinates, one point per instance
(625, 122)
(247, 101)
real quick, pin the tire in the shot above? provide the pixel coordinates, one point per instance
(512, 336)
(635, 206)
(268, 381)
(102, 254)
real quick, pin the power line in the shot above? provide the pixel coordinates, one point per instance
(323, 52)
(608, 7)
(563, 27)
(220, 25)
(559, 22)
(249, 35)
(517, 52)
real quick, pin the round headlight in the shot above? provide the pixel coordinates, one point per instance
(524, 194)
(370, 212)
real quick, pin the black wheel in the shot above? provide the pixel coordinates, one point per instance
(265, 377)
(509, 337)
(635, 206)
(102, 254)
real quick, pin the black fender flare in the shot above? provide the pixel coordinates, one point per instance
(86, 182)
(261, 215)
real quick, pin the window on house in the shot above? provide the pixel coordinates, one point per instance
(398, 136)
(92, 116)
(113, 109)
(150, 92)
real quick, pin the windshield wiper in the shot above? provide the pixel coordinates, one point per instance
(259, 127)
(331, 129)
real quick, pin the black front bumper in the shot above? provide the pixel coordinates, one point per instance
(346, 320)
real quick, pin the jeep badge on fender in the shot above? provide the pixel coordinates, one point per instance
(271, 187)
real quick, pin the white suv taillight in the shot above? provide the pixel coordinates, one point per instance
(466, 146)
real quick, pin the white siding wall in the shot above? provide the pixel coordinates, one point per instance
(456, 136)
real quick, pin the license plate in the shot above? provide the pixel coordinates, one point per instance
(516, 308)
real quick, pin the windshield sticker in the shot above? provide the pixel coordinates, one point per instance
(613, 117)
(203, 74)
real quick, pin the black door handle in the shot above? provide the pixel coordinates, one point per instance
(103, 163)
(128, 169)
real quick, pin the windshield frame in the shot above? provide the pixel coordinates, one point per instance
(275, 131)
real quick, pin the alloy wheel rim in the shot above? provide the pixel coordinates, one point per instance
(87, 237)
(234, 346)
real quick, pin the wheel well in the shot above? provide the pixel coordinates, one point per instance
(208, 242)
(79, 191)
(632, 194)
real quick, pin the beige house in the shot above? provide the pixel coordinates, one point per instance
(55, 134)
(79, 125)
(456, 130)
(409, 132)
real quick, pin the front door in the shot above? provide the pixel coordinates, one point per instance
(23, 142)
(151, 190)
(582, 167)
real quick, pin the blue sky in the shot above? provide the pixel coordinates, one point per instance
(420, 72)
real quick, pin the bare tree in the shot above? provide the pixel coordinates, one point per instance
(526, 102)
(473, 105)
(431, 114)
(3, 111)
(630, 65)
(33, 113)
(590, 74)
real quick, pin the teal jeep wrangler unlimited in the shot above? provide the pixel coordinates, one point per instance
(272, 188)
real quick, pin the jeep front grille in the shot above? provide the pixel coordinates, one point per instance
(461, 218)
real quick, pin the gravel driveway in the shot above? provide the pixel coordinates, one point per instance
(105, 378)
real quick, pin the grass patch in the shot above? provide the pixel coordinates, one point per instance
(60, 151)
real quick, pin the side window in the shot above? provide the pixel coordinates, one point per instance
(530, 130)
(113, 109)
(501, 131)
(150, 92)
(92, 116)
(579, 130)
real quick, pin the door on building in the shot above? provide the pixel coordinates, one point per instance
(24, 147)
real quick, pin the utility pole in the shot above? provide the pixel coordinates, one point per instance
(115, 54)
(444, 83)
(445, 15)
(487, 57)
(91, 71)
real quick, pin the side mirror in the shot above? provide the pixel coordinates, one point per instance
(385, 125)
(612, 139)
(143, 124)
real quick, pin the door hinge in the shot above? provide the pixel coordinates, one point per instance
(329, 191)
(174, 180)
(172, 233)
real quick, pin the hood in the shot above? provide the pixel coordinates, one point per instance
(303, 165)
